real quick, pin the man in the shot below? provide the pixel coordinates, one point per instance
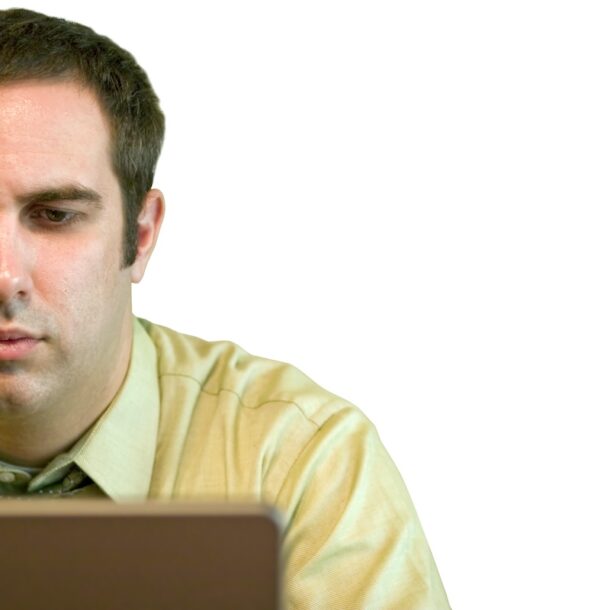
(94, 402)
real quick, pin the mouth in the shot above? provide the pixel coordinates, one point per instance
(16, 344)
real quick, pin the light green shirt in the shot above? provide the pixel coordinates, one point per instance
(207, 420)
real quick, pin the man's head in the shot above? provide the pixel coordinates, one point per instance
(80, 131)
(36, 47)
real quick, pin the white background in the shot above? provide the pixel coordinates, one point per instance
(408, 200)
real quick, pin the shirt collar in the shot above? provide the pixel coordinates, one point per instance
(118, 452)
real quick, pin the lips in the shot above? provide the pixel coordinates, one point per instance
(9, 335)
(16, 343)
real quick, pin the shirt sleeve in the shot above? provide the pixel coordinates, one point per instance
(352, 539)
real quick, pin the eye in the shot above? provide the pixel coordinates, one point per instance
(54, 216)
(57, 215)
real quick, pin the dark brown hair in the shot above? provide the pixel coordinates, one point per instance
(35, 46)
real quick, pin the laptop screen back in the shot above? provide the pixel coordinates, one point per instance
(72, 555)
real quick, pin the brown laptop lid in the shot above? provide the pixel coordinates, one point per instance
(96, 555)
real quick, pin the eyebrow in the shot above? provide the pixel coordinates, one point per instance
(70, 192)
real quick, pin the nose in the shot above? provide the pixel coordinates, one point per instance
(15, 278)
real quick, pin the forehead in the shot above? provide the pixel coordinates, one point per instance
(53, 128)
(50, 105)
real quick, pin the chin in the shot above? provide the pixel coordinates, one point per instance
(18, 399)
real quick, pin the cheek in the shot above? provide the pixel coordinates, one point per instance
(81, 284)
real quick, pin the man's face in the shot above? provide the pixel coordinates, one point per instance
(65, 302)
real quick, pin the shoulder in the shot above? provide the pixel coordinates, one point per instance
(233, 425)
(224, 367)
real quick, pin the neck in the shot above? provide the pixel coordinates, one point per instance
(29, 446)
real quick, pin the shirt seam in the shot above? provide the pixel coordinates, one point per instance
(297, 458)
(239, 398)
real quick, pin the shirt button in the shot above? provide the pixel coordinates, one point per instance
(7, 477)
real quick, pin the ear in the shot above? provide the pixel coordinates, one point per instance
(149, 225)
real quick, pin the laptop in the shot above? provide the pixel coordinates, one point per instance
(98, 555)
